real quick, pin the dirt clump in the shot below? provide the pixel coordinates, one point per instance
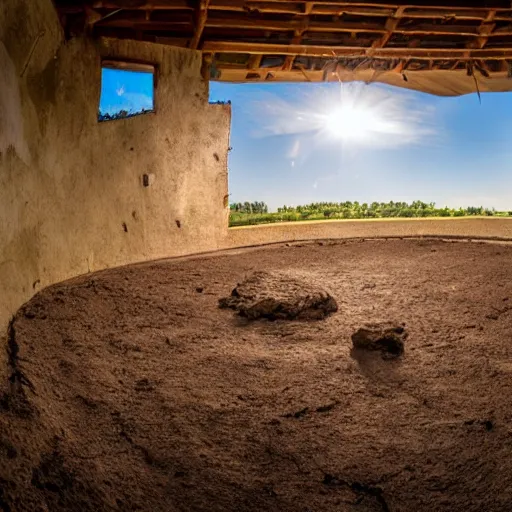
(386, 337)
(279, 296)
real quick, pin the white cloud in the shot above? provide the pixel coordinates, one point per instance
(352, 115)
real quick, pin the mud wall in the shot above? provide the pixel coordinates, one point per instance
(478, 228)
(72, 198)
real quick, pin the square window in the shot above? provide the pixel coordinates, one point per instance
(127, 90)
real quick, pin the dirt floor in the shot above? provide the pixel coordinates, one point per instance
(132, 390)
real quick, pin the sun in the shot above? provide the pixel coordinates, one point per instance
(360, 116)
(349, 116)
(352, 122)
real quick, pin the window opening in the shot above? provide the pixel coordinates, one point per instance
(127, 90)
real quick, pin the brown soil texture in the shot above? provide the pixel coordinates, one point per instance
(131, 389)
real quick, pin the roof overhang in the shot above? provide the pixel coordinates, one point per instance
(449, 49)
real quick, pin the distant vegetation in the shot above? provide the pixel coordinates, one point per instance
(122, 114)
(244, 214)
(245, 208)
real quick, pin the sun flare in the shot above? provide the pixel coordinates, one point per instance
(352, 115)
(349, 122)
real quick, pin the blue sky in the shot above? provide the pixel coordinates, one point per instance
(293, 144)
(453, 151)
(125, 90)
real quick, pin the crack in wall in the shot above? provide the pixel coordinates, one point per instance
(359, 488)
(15, 398)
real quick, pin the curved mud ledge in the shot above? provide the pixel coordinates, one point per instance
(292, 242)
(243, 248)
(499, 228)
(493, 229)
(230, 250)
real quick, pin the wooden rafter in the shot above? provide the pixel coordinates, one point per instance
(349, 27)
(421, 10)
(486, 29)
(202, 14)
(254, 64)
(297, 39)
(321, 7)
(355, 51)
(289, 59)
(254, 61)
(391, 27)
(143, 6)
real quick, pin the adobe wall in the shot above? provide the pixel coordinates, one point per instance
(71, 193)
(499, 228)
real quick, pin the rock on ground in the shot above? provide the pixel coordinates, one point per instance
(279, 296)
(386, 337)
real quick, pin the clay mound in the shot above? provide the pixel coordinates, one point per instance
(386, 337)
(279, 296)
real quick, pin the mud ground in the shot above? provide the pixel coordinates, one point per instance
(131, 389)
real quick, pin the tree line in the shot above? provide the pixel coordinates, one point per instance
(257, 212)
(356, 210)
(256, 207)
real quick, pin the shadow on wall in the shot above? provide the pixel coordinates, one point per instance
(12, 138)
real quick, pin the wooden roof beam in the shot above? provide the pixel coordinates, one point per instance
(254, 61)
(486, 29)
(347, 51)
(386, 9)
(264, 7)
(156, 26)
(391, 26)
(295, 26)
(459, 14)
(347, 27)
(434, 10)
(319, 8)
(296, 76)
(448, 5)
(289, 59)
(288, 63)
(288, 26)
(253, 65)
(308, 8)
(201, 15)
(452, 5)
(297, 39)
(150, 5)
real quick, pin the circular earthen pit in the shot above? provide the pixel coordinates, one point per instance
(130, 390)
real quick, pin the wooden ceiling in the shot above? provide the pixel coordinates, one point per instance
(324, 40)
